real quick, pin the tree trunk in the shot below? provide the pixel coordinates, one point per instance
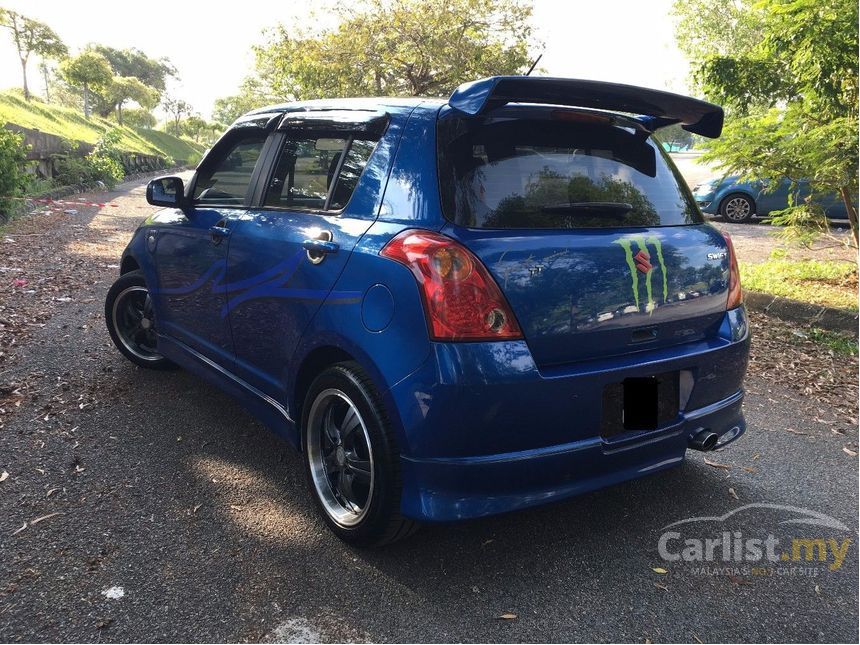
(86, 101)
(24, 73)
(851, 209)
(119, 113)
(47, 86)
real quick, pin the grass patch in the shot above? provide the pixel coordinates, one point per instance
(71, 124)
(829, 283)
(839, 343)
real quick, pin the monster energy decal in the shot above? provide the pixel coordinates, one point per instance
(640, 262)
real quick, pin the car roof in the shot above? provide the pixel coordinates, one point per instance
(362, 103)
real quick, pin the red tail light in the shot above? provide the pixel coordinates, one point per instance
(461, 299)
(736, 294)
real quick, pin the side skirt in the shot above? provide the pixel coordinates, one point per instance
(266, 409)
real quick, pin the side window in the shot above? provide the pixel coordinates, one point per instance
(306, 175)
(226, 180)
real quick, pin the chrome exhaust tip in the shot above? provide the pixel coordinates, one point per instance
(704, 440)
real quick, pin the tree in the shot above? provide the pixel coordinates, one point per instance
(194, 126)
(88, 70)
(791, 96)
(139, 118)
(129, 88)
(675, 137)
(229, 108)
(398, 47)
(133, 63)
(31, 37)
(176, 108)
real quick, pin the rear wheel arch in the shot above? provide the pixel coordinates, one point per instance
(312, 365)
(128, 265)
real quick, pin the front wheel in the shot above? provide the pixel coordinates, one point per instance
(737, 208)
(351, 458)
(131, 322)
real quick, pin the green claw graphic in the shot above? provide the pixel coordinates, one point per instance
(624, 243)
(658, 246)
(642, 243)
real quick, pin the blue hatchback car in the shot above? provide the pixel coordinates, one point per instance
(739, 201)
(451, 308)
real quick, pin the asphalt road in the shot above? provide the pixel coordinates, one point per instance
(171, 515)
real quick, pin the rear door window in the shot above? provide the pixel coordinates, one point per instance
(317, 173)
(549, 173)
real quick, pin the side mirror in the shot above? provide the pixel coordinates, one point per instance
(166, 191)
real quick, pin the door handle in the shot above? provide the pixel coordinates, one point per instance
(218, 233)
(319, 247)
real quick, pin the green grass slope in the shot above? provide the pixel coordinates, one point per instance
(71, 124)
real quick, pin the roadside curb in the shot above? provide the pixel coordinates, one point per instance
(802, 312)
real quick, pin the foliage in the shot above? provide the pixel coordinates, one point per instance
(103, 164)
(70, 124)
(130, 88)
(397, 47)
(128, 64)
(13, 155)
(133, 62)
(822, 282)
(31, 37)
(176, 108)
(88, 70)
(138, 118)
(229, 108)
(675, 137)
(195, 127)
(791, 90)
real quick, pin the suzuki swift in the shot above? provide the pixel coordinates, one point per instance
(451, 308)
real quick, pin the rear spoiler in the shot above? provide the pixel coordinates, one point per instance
(657, 108)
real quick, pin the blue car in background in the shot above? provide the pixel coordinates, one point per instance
(740, 201)
(452, 308)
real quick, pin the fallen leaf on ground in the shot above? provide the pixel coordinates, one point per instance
(659, 570)
(659, 586)
(508, 616)
(717, 464)
(734, 494)
(849, 452)
(43, 518)
(4, 476)
(749, 470)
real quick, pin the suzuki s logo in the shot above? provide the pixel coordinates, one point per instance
(640, 261)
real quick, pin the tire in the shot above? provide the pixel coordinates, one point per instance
(131, 322)
(352, 461)
(737, 208)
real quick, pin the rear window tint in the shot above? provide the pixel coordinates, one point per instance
(542, 173)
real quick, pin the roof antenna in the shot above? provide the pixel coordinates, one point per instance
(534, 64)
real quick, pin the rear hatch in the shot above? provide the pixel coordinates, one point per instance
(587, 227)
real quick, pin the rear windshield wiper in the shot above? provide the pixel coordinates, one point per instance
(590, 208)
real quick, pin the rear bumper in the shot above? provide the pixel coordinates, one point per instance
(485, 431)
(453, 489)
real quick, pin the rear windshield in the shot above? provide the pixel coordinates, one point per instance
(542, 173)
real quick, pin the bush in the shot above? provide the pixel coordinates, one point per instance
(103, 164)
(138, 118)
(13, 156)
